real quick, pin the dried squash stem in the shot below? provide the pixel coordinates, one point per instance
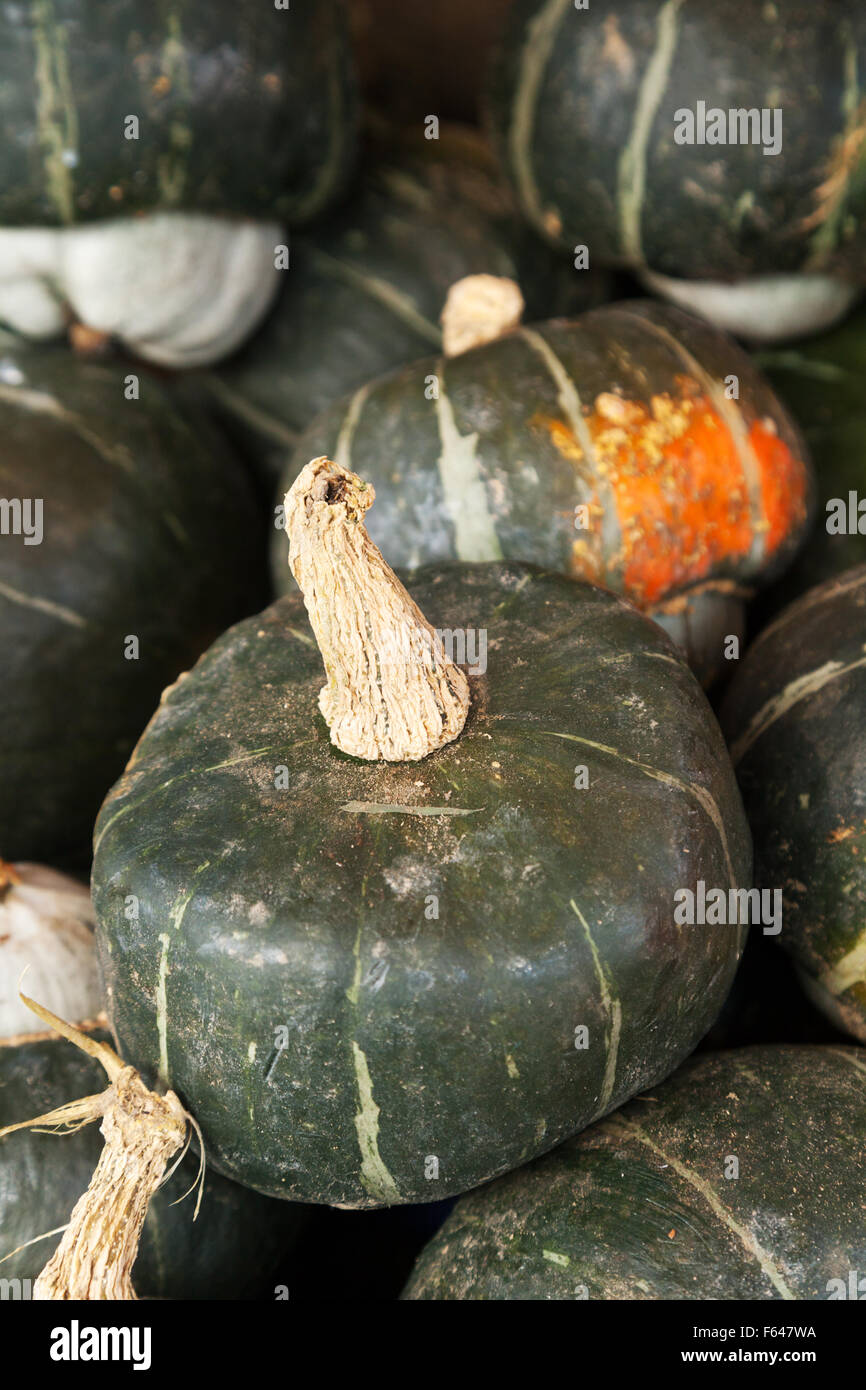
(142, 1131)
(392, 693)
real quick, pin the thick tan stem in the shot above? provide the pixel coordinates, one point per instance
(95, 1257)
(479, 309)
(392, 693)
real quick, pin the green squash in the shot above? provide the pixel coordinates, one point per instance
(648, 1204)
(605, 119)
(821, 382)
(366, 287)
(226, 1253)
(151, 156)
(370, 980)
(605, 447)
(148, 532)
(795, 716)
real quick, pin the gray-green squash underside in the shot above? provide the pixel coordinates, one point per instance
(368, 981)
(739, 1178)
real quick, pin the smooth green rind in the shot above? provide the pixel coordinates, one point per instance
(597, 90)
(283, 885)
(226, 1253)
(795, 716)
(242, 108)
(365, 294)
(643, 1205)
(150, 532)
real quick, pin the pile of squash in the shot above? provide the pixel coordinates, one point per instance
(427, 659)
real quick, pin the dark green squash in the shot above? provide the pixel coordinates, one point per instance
(226, 1253)
(795, 716)
(821, 382)
(646, 1205)
(605, 447)
(243, 108)
(366, 288)
(151, 157)
(368, 980)
(591, 107)
(150, 532)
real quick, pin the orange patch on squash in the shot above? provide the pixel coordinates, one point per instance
(674, 473)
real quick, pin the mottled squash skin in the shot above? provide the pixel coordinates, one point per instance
(607, 446)
(795, 717)
(583, 108)
(227, 1252)
(150, 531)
(642, 1205)
(284, 886)
(242, 108)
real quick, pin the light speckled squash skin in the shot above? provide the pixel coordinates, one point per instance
(803, 780)
(366, 288)
(242, 109)
(622, 1211)
(706, 212)
(226, 1253)
(502, 410)
(150, 530)
(412, 1037)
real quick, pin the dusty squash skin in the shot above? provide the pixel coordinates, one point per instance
(226, 1253)
(414, 1043)
(597, 90)
(150, 530)
(689, 499)
(366, 289)
(640, 1207)
(243, 109)
(795, 717)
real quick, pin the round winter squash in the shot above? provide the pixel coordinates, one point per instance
(796, 720)
(821, 381)
(382, 967)
(151, 156)
(129, 540)
(367, 288)
(634, 447)
(45, 919)
(739, 1178)
(715, 148)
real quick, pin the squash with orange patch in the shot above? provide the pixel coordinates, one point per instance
(633, 447)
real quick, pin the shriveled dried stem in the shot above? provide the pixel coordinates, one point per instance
(142, 1131)
(392, 693)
